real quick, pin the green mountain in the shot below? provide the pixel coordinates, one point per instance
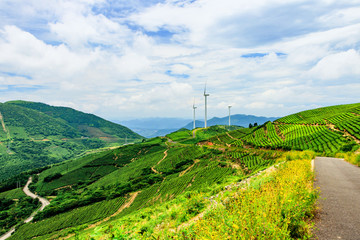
(86, 124)
(160, 187)
(33, 135)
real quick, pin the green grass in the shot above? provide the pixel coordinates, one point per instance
(192, 178)
(255, 212)
(13, 194)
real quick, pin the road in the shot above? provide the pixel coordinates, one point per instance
(44, 203)
(7, 235)
(339, 203)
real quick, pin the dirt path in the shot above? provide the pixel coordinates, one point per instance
(231, 136)
(191, 166)
(194, 131)
(344, 132)
(7, 235)
(153, 167)
(6, 131)
(339, 211)
(125, 205)
(3, 123)
(44, 202)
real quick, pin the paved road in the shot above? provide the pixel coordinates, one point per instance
(339, 215)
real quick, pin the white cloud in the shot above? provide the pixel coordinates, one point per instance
(337, 66)
(114, 58)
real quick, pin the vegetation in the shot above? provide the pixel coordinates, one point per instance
(193, 184)
(72, 218)
(267, 209)
(13, 210)
(33, 135)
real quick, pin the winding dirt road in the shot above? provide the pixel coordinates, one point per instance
(44, 203)
(339, 213)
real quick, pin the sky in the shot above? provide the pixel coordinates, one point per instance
(122, 59)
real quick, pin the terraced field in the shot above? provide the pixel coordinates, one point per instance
(326, 130)
(182, 172)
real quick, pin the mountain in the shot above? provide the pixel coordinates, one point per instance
(86, 124)
(155, 123)
(153, 127)
(236, 119)
(35, 134)
(156, 188)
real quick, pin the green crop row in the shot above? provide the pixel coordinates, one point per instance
(72, 218)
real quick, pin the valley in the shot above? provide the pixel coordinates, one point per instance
(192, 184)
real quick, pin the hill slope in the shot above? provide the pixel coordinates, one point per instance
(34, 135)
(87, 124)
(160, 186)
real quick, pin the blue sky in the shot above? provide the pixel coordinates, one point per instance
(132, 59)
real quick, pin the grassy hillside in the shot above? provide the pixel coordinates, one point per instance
(33, 135)
(325, 130)
(87, 124)
(195, 184)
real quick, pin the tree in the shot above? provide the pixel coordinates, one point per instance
(250, 125)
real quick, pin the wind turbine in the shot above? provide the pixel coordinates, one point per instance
(194, 113)
(229, 115)
(205, 95)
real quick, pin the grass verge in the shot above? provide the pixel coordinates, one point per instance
(276, 206)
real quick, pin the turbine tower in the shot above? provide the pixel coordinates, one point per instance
(194, 114)
(205, 95)
(229, 115)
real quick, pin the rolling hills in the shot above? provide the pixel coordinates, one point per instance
(35, 135)
(194, 183)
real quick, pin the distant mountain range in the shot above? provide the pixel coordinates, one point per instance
(153, 127)
(236, 119)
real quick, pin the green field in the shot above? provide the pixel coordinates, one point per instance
(179, 176)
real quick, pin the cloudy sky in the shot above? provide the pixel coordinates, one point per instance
(124, 59)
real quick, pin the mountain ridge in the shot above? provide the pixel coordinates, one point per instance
(36, 134)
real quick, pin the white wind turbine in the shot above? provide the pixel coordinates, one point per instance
(205, 95)
(229, 115)
(194, 113)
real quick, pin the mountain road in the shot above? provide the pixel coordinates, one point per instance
(339, 212)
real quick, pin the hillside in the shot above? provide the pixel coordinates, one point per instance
(195, 183)
(87, 124)
(34, 135)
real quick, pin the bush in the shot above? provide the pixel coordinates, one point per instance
(52, 177)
